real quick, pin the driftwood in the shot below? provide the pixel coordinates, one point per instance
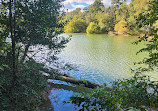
(73, 80)
(77, 89)
(77, 81)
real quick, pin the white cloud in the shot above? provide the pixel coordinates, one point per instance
(68, 4)
(80, 1)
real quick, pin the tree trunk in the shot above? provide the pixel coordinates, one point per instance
(71, 79)
(78, 81)
(13, 41)
(26, 50)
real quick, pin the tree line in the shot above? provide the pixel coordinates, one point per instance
(119, 18)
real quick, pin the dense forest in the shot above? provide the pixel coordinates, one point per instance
(30, 27)
(119, 18)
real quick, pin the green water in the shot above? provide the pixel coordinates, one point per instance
(103, 55)
(100, 59)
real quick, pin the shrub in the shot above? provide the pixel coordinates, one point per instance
(75, 26)
(28, 90)
(121, 27)
(93, 28)
(136, 93)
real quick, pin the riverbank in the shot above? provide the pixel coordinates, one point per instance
(131, 34)
(109, 34)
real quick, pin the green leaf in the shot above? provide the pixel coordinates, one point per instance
(133, 109)
(1, 68)
(5, 66)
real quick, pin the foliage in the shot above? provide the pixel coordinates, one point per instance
(148, 19)
(140, 6)
(97, 6)
(117, 3)
(25, 24)
(131, 21)
(107, 18)
(138, 92)
(27, 93)
(121, 27)
(38, 24)
(155, 25)
(106, 22)
(3, 30)
(75, 26)
(93, 28)
(90, 12)
(122, 13)
(73, 14)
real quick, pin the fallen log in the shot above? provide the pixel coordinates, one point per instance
(77, 89)
(73, 80)
(78, 81)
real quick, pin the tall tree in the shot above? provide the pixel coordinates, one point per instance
(117, 3)
(38, 24)
(12, 36)
(122, 13)
(25, 24)
(96, 6)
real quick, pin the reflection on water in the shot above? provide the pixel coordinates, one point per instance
(101, 59)
(62, 91)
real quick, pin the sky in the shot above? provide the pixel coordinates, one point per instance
(73, 4)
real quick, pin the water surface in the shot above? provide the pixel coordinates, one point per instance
(100, 59)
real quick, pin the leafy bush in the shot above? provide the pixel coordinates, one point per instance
(75, 26)
(149, 19)
(93, 28)
(121, 27)
(27, 92)
(136, 93)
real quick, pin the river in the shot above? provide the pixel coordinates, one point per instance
(100, 59)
